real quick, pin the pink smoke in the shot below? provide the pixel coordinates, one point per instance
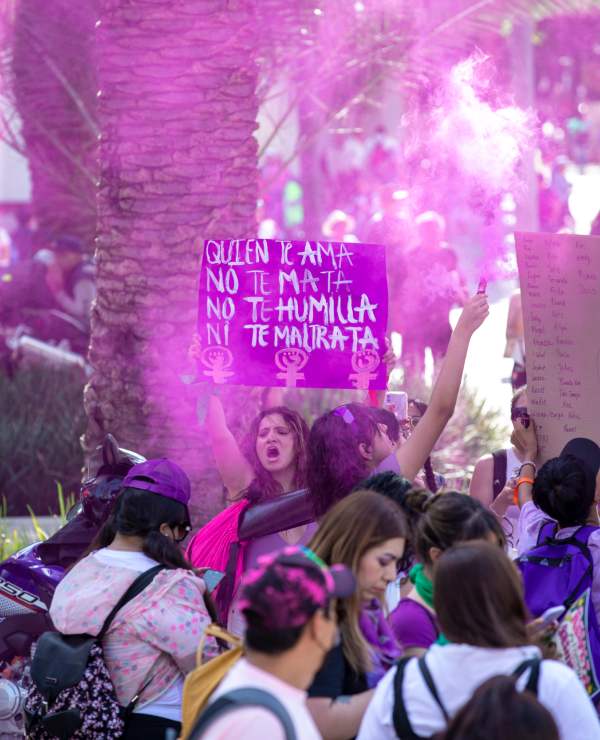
(482, 136)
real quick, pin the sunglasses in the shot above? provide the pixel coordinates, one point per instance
(522, 413)
(175, 528)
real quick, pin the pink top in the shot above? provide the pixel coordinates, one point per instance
(211, 546)
(153, 638)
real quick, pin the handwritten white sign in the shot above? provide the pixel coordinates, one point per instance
(560, 288)
(288, 313)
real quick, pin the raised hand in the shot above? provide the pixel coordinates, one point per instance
(388, 358)
(524, 438)
(474, 313)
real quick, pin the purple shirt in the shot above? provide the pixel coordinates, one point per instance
(413, 625)
(273, 543)
(256, 548)
(389, 464)
(530, 523)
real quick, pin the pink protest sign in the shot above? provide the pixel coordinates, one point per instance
(287, 313)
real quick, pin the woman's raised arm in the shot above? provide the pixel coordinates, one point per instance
(234, 469)
(417, 448)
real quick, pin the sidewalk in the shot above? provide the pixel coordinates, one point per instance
(24, 525)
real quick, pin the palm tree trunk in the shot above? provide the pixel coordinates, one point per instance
(177, 112)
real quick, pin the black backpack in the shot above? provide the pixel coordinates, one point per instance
(243, 698)
(402, 724)
(72, 694)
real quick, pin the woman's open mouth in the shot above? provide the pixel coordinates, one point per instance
(272, 453)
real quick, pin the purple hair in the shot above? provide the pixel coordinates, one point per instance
(335, 465)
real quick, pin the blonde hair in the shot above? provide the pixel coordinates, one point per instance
(356, 524)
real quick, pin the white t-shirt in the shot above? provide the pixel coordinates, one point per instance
(510, 520)
(559, 690)
(168, 704)
(256, 723)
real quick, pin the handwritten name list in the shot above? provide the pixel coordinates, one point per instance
(560, 288)
(292, 313)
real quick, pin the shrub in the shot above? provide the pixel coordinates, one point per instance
(474, 430)
(42, 420)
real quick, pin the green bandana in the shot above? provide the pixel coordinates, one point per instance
(422, 583)
(424, 587)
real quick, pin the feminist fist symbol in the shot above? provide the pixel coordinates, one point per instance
(291, 361)
(364, 364)
(217, 359)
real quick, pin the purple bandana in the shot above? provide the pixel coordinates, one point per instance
(384, 650)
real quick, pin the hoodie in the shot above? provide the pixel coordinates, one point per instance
(152, 640)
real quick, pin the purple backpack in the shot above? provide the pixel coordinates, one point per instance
(561, 572)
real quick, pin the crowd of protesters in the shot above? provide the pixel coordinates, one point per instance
(368, 603)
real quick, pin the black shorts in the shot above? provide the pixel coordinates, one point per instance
(149, 727)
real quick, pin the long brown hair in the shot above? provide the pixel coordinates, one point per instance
(359, 522)
(478, 597)
(264, 486)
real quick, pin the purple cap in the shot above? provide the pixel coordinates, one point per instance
(288, 587)
(160, 476)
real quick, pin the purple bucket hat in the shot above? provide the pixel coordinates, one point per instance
(288, 587)
(160, 476)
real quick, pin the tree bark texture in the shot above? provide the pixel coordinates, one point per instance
(54, 89)
(178, 160)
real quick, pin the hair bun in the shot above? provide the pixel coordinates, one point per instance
(418, 500)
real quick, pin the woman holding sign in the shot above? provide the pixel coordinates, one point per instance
(272, 463)
(273, 459)
(348, 444)
(495, 474)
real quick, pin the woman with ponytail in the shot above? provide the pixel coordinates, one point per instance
(444, 519)
(151, 643)
(349, 443)
(412, 503)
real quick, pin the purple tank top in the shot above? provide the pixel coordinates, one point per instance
(413, 625)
